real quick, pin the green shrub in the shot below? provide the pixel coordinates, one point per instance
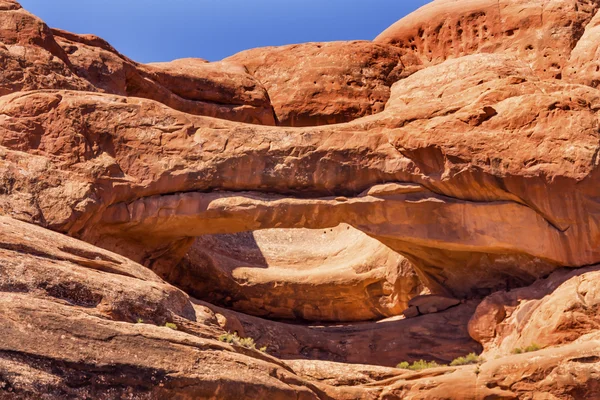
(140, 321)
(528, 349)
(171, 325)
(470, 358)
(418, 365)
(247, 342)
(532, 347)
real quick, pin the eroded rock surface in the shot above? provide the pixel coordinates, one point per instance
(326, 83)
(471, 171)
(444, 334)
(79, 321)
(584, 64)
(34, 56)
(541, 33)
(336, 274)
(553, 311)
(481, 170)
(106, 354)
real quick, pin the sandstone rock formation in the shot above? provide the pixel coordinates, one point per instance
(554, 311)
(337, 274)
(429, 304)
(123, 186)
(541, 33)
(460, 148)
(100, 319)
(583, 66)
(35, 57)
(326, 83)
(67, 304)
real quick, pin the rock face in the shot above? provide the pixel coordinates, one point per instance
(326, 83)
(35, 57)
(583, 66)
(30, 57)
(192, 85)
(124, 183)
(70, 331)
(456, 156)
(554, 311)
(63, 304)
(541, 33)
(337, 274)
(101, 318)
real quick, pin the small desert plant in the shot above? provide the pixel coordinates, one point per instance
(171, 325)
(140, 321)
(533, 347)
(470, 358)
(247, 342)
(528, 349)
(418, 365)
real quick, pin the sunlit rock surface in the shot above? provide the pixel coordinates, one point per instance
(147, 210)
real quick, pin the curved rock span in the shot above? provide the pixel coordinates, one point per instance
(200, 212)
(399, 215)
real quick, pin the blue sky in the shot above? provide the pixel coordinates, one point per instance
(163, 30)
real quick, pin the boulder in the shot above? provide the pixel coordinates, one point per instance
(429, 304)
(190, 85)
(336, 274)
(554, 311)
(411, 312)
(327, 83)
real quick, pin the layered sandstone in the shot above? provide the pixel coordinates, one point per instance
(102, 317)
(460, 148)
(471, 170)
(457, 146)
(63, 305)
(326, 83)
(37, 57)
(541, 33)
(336, 274)
(554, 311)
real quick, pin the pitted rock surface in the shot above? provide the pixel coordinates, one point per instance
(455, 156)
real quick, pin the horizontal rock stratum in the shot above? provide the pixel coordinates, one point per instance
(148, 210)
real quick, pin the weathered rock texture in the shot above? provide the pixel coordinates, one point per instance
(472, 194)
(326, 83)
(487, 149)
(337, 274)
(82, 322)
(79, 321)
(441, 337)
(554, 311)
(584, 64)
(35, 57)
(541, 33)
(69, 330)
(466, 139)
